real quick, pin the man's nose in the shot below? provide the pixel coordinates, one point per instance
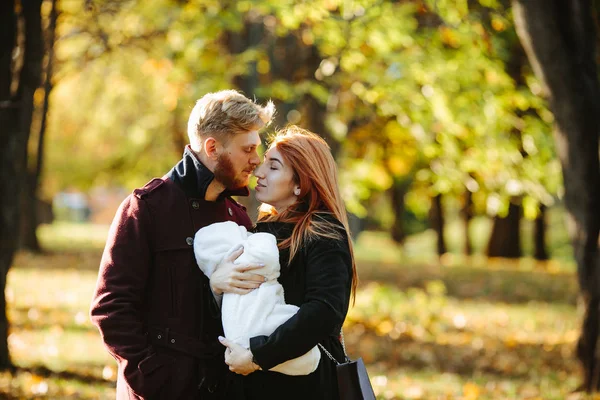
(255, 159)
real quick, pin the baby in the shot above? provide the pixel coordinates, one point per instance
(262, 310)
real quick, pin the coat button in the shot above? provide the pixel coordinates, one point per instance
(189, 241)
(159, 337)
(195, 205)
(230, 211)
(172, 340)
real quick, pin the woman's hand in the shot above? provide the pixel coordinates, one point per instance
(235, 278)
(238, 358)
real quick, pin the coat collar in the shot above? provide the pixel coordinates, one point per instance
(194, 177)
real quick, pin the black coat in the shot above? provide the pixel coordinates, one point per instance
(318, 281)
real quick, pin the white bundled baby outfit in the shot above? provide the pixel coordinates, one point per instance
(262, 310)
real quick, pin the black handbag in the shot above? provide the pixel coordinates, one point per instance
(352, 377)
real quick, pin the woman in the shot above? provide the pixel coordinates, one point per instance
(297, 183)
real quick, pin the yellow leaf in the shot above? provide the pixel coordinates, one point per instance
(471, 391)
(385, 327)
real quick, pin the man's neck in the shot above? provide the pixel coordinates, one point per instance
(214, 189)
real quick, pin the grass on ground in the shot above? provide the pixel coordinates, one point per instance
(426, 331)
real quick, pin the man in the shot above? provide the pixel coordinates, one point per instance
(153, 306)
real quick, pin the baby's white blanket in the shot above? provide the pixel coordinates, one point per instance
(261, 311)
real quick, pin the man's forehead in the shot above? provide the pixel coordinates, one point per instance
(251, 138)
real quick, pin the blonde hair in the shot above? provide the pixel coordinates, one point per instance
(315, 171)
(223, 114)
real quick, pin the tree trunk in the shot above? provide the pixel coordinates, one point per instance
(30, 239)
(505, 240)
(313, 119)
(559, 38)
(467, 214)
(15, 119)
(29, 220)
(397, 193)
(436, 216)
(284, 61)
(539, 238)
(315, 113)
(8, 162)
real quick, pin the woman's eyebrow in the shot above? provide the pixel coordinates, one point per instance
(275, 159)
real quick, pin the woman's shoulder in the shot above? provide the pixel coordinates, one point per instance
(329, 232)
(328, 218)
(329, 225)
(278, 229)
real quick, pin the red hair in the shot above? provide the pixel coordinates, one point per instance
(315, 171)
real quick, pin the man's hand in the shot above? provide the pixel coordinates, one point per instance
(238, 358)
(235, 278)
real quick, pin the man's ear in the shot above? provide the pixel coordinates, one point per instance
(212, 148)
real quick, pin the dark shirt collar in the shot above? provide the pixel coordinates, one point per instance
(194, 177)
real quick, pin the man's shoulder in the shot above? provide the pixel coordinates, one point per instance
(238, 212)
(154, 186)
(236, 203)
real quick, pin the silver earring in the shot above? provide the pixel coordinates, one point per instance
(297, 192)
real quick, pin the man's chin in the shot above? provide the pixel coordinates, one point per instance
(238, 185)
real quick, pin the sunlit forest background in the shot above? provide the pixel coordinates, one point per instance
(442, 133)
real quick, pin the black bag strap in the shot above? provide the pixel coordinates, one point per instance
(332, 358)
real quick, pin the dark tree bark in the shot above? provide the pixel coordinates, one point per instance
(539, 236)
(284, 61)
(8, 165)
(505, 240)
(438, 222)
(178, 133)
(28, 220)
(315, 113)
(397, 192)
(466, 213)
(16, 110)
(313, 119)
(30, 201)
(560, 40)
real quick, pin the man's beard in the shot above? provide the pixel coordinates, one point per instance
(225, 173)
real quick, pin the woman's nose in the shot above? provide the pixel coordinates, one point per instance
(258, 172)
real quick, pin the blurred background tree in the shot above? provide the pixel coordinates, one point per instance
(25, 42)
(393, 87)
(560, 39)
(431, 107)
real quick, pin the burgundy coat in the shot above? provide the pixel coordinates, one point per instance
(152, 304)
